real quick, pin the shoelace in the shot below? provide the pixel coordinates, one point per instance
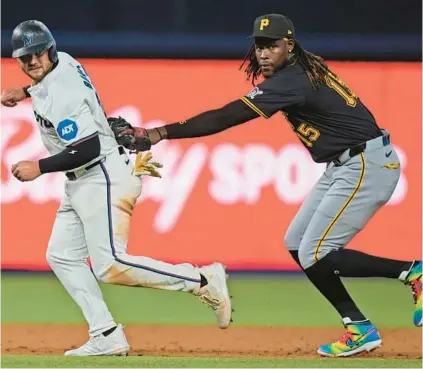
(347, 335)
(206, 299)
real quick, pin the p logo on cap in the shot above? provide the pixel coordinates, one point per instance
(264, 23)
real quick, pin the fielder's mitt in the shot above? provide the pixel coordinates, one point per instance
(126, 135)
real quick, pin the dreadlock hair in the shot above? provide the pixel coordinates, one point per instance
(312, 64)
(252, 70)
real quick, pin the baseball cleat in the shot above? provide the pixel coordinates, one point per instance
(359, 337)
(215, 293)
(115, 344)
(414, 279)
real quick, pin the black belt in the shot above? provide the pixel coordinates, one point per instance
(71, 175)
(358, 149)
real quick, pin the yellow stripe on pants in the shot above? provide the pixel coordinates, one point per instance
(344, 207)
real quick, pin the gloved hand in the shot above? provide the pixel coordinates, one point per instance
(142, 167)
(134, 139)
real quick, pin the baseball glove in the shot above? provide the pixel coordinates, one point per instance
(143, 166)
(134, 139)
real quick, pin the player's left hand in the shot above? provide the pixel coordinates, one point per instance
(26, 171)
(142, 166)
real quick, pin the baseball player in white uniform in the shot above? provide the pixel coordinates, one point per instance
(100, 193)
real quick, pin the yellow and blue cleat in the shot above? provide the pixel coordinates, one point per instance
(359, 337)
(414, 279)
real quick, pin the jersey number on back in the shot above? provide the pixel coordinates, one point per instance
(342, 89)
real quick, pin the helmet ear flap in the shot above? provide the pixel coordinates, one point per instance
(52, 53)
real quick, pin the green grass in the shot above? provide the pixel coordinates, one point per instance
(258, 300)
(266, 300)
(177, 362)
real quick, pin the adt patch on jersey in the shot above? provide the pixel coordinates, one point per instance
(67, 129)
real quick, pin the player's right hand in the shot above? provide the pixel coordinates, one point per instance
(134, 139)
(12, 96)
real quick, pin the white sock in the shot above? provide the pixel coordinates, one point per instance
(403, 276)
(347, 320)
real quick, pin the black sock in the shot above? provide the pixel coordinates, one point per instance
(324, 278)
(351, 263)
(111, 330)
(294, 254)
(203, 281)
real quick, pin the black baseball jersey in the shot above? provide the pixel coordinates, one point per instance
(327, 121)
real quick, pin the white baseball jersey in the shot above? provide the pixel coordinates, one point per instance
(68, 109)
(95, 213)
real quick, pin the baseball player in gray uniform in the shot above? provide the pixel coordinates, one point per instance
(362, 169)
(100, 193)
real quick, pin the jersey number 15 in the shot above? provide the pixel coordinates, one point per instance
(342, 89)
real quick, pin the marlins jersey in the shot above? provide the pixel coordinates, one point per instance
(68, 109)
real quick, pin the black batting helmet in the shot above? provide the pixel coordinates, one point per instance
(31, 37)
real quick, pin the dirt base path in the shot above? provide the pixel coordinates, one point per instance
(205, 341)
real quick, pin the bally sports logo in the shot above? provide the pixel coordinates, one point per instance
(229, 174)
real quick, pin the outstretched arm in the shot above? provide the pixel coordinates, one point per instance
(264, 100)
(207, 123)
(204, 124)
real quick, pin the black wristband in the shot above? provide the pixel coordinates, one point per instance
(27, 94)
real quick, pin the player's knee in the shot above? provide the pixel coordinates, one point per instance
(56, 256)
(306, 256)
(115, 274)
(53, 257)
(292, 239)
